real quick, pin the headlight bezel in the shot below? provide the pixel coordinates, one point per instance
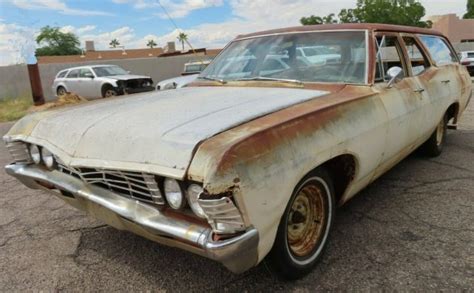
(35, 153)
(178, 190)
(48, 158)
(193, 200)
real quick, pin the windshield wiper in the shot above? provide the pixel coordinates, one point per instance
(263, 78)
(213, 79)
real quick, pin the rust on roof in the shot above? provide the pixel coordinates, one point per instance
(346, 26)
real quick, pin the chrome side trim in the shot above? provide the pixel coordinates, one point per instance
(238, 254)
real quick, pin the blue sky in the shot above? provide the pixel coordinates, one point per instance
(209, 23)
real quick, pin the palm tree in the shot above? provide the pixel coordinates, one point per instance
(114, 43)
(182, 37)
(151, 44)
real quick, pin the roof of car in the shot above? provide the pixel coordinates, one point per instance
(88, 66)
(346, 26)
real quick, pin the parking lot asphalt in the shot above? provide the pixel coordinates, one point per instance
(412, 229)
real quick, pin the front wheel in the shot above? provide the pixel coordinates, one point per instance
(304, 227)
(108, 91)
(433, 147)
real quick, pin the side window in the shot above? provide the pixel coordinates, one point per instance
(418, 60)
(73, 73)
(85, 73)
(389, 55)
(439, 50)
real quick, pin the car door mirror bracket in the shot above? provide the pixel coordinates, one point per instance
(395, 74)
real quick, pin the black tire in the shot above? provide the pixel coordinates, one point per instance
(61, 91)
(295, 252)
(109, 91)
(433, 147)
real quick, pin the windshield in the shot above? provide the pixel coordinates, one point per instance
(341, 58)
(109, 71)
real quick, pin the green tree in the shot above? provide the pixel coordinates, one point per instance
(182, 38)
(401, 12)
(114, 43)
(310, 20)
(470, 10)
(151, 44)
(53, 42)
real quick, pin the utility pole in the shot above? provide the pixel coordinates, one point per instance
(35, 82)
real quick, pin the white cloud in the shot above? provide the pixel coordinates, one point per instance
(176, 9)
(56, 5)
(17, 44)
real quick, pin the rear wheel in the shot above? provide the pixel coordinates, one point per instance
(304, 228)
(61, 91)
(433, 147)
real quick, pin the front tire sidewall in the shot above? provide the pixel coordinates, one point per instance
(281, 258)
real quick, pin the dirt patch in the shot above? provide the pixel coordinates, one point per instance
(63, 100)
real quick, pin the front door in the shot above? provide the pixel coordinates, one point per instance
(403, 100)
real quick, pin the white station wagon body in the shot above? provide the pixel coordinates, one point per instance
(246, 144)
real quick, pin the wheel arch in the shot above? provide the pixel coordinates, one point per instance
(342, 169)
(104, 87)
(453, 112)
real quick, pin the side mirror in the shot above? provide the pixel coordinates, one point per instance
(88, 75)
(395, 73)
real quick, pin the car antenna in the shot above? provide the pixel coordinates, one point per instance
(179, 30)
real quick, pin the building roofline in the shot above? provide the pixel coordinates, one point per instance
(346, 26)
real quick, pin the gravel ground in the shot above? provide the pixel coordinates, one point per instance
(413, 229)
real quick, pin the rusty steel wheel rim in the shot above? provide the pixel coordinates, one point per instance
(440, 133)
(307, 220)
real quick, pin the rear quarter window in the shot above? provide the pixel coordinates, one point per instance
(439, 50)
(61, 74)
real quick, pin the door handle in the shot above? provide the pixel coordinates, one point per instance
(420, 90)
(446, 81)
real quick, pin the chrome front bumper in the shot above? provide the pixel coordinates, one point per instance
(238, 254)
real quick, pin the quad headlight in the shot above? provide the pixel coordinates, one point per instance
(48, 158)
(194, 191)
(35, 153)
(174, 194)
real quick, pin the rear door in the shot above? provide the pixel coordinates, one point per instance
(71, 81)
(449, 77)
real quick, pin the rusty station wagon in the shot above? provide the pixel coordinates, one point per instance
(251, 160)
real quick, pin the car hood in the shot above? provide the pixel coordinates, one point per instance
(155, 132)
(126, 77)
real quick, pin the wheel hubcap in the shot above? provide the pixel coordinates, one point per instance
(440, 133)
(306, 220)
(109, 93)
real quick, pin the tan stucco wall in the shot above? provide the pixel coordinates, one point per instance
(455, 28)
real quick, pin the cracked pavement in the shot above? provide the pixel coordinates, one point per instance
(412, 229)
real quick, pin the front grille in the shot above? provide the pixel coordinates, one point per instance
(19, 152)
(141, 186)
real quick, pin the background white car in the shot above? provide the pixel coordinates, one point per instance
(100, 81)
(467, 59)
